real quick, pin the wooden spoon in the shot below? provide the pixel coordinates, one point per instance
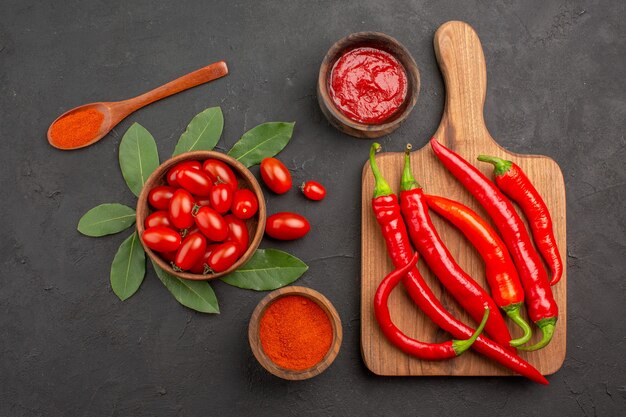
(115, 111)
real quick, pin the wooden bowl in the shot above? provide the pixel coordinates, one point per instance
(256, 224)
(255, 341)
(374, 40)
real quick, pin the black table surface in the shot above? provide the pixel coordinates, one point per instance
(69, 347)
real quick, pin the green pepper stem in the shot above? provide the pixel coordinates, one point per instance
(408, 182)
(512, 311)
(461, 346)
(547, 327)
(501, 165)
(381, 187)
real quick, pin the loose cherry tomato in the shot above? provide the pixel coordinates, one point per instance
(245, 204)
(313, 190)
(180, 209)
(237, 232)
(221, 197)
(201, 266)
(203, 201)
(223, 257)
(211, 224)
(173, 172)
(159, 197)
(219, 171)
(287, 226)
(158, 218)
(194, 180)
(275, 175)
(161, 239)
(190, 251)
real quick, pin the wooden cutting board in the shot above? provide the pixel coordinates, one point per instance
(462, 129)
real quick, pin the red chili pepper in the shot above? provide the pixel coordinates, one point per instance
(515, 184)
(387, 212)
(465, 290)
(500, 271)
(421, 350)
(542, 308)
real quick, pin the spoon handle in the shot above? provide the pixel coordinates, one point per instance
(203, 75)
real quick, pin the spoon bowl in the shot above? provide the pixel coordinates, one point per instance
(106, 126)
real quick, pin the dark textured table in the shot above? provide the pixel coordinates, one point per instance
(69, 347)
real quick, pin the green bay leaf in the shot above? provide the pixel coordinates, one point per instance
(268, 269)
(262, 141)
(196, 295)
(128, 268)
(106, 219)
(202, 133)
(138, 157)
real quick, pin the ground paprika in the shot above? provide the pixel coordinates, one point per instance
(77, 128)
(295, 332)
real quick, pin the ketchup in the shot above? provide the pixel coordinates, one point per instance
(368, 85)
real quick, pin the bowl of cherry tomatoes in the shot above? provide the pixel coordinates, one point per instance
(201, 215)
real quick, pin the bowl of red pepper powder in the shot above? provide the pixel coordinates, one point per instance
(295, 333)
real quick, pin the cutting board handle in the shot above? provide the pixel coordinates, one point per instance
(462, 63)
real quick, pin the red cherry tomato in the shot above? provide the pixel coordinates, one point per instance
(202, 264)
(180, 209)
(237, 232)
(158, 218)
(173, 172)
(287, 226)
(194, 180)
(245, 204)
(190, 251)
(161, 239)
(223, 257)
(168, 256)
(313, 190)
(219, 171)
(203, 201)
(211, 224)
(159, 197)
(221, 197)
(275, 175)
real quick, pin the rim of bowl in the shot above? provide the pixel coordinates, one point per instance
(255, 339)
(242, 172)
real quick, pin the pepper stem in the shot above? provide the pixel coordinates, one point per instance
(461, 346)
(381, 187)
(547, 327)
(512, 311)
(501, 165)
(408, 182)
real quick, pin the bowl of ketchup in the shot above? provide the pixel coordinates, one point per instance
(368, 84)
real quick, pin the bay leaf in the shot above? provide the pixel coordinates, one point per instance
(106, 219)
(202, 133)
(196, 295)
(128, 268)
(268, 269)
(138, 156)
(262, 141)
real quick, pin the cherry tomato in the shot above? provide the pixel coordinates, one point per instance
(180, 209)
(159, 197)
(275, 175)
(161, 239)
(219, 171)
(158, 218)
(203, 201)
(313, 190)
(287, 226)
(245, 204)
(190, 251)
(223, 257)
(237, 232)
(168, 256)
(211, 224)
(202, 264)
(194, 180)
(221, 197)
(173, 172)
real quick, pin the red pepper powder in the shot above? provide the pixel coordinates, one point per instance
(295, 332)
(77, 128)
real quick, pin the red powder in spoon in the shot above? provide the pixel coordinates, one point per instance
(77, 128)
